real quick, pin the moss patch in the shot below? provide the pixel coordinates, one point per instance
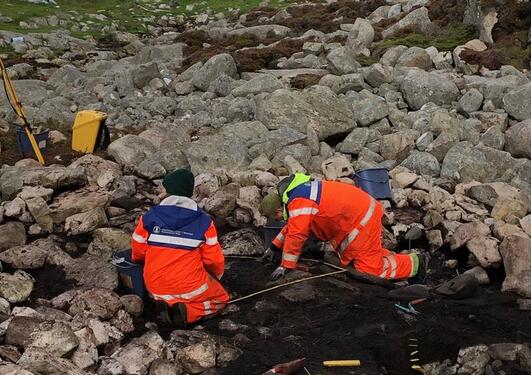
(450, 37)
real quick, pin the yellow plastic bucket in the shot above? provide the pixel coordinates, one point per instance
(85, 130)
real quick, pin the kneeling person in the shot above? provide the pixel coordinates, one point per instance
(183, 261)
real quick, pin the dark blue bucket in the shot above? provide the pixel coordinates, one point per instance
(24, 144)
(375, 181)
(271, 229)
(131, 274)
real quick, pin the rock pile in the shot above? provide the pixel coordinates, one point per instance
(455, 137)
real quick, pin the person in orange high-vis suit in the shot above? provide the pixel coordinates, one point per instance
(341, 214)
(183, 260)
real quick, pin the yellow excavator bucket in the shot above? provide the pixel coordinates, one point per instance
(85, 130)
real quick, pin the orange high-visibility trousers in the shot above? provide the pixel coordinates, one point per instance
(209, 299)
(368, 255)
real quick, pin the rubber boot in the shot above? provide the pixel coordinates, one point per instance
(178, 315)
(162, 315)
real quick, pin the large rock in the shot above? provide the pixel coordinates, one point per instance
(422, 163)
(217, 151)
(517, 102)
(473, 360)
(420, 87)
(415, 57)
(355, 141)
(15, 288)
(369, 110)
(137, 356)
(40, 361)
(85, 222)
(378, 74)
(248, 132)
(336, 167)
(12, 234)
(257, 85)
(198, 358)
(516, 253)
(131, 150)
(83, 200)
(103, 303)
(98, 169)
(56, 338)
(214, 68)
(30, 256)
(41, 213)
(396, 146)
(261, 31)
(223, 201)
(344, 83)
(466, 232)
(144, 73)
(518, 139)
(418, 19)
(86, 354)
(242, 242)
(92, 271)
(465, 163)
(341, 61)
(485, 249)
(55, 177)
(317, 106)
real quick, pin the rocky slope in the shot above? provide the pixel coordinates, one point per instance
(242, 103)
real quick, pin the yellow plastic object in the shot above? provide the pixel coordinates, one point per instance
(342, 363)
(85, 130)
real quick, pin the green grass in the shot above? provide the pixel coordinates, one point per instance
(125, 13)
(450, 37)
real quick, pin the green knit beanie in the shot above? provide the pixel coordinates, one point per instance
(180, 182)
(270, 204)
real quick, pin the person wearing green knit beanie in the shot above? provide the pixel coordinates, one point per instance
(179, 182)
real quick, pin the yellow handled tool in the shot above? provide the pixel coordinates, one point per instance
(342, 363)
(19, 110)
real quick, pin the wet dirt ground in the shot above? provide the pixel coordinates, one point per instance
(345, 320)
(361, 324)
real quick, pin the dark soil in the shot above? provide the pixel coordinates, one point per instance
(50, 281)
(365, 325)
(60, 153)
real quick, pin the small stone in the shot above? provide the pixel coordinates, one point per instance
(299, 293)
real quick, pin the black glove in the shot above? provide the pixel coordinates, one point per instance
(269, 254)
(279, 273)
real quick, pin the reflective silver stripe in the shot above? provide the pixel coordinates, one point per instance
(290, 257)
(174, 240)
(314, 190)
(206, 304)
(194, 293)
(303, 211)
(211, 240)
(139, 238)
(385, 267)
(393, 266)
(369, 213)
(280, 237)
(351, 237)
(354, 233)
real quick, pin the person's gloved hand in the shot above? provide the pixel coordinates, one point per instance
(279, 273)
(269, 254)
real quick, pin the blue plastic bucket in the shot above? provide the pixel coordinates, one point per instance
(24, 144)
(131, 274)
(375, 181)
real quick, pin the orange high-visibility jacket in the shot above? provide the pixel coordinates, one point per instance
(179, 247)
(329, 210)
